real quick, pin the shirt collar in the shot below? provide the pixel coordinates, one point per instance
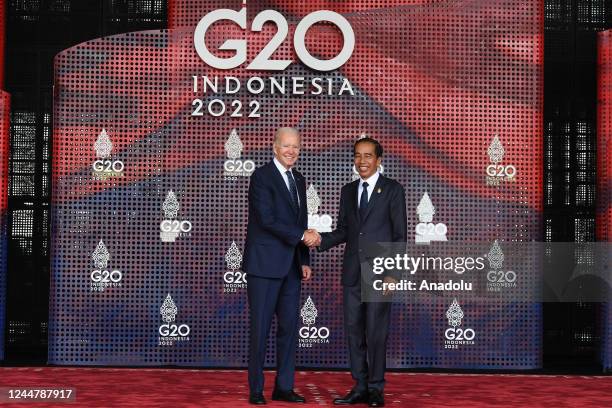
(370, 180)
(280, 167)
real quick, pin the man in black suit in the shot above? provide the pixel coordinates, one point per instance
(276, 258)
(372, 210)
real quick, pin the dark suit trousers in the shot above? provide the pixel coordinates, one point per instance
(367, 327)
(269, 296)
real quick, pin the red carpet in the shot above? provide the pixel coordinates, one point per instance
(144, 388)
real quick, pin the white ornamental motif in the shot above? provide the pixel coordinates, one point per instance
(309, 312)
(496, 256)
(100, 256)
(168, 310)
(312, 200)
(103, 146)
(496, 150)
(233, 257)
(454, 314)
(425, 209)
(233, 146)
(171, 206)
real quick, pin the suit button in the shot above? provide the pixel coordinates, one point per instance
(361, 233)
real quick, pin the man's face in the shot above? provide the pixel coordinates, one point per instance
(365, 159)
(287, 149)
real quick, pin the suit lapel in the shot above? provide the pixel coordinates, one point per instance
(301, 188)
(374, 197)
(353, 203)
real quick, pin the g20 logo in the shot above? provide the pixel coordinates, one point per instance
(234, 277)
(108, 166)
(239, 166)
(105, 276)
(173, 330)
(429, 228)
(498, 170)
(308, 332)
(175, 226)
(501, 276)
(262, 61)
(457, 333)
(324, 221)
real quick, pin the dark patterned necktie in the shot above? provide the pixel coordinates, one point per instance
(293, 190)
(363, 202)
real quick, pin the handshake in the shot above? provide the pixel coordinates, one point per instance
(311, 238)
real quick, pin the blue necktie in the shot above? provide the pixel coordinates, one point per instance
(363, 202)
(293, 190)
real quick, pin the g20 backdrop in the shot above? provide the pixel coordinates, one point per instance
(157, 132)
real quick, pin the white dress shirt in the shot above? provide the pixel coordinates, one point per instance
(371, 183)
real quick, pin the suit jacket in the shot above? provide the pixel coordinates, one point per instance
(384, 221)
(275, 228)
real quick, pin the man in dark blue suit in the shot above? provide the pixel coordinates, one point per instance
(276, 259)
(372, 210)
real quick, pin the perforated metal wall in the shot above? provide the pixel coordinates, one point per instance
(2, 36)
(4, 155)
(435, 82)
(604, 172)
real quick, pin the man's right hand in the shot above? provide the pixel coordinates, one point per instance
(311, 238)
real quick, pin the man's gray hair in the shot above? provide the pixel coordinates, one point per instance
(282, 130)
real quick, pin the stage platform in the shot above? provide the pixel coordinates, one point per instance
(145, 388)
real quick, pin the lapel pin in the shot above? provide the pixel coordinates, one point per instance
(379, 190)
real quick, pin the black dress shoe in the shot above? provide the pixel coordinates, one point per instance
(376, 398)
(287, 396)
(353, 397)
(257, 399)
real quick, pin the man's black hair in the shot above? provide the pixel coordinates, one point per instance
(377, 147)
